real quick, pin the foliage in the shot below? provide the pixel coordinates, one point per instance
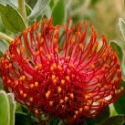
(7, 108)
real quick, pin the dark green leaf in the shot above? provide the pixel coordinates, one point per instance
(81, 123)
(4, 109)
(23, 119)
(1, 84)
(115, 120)
(59, 12)
(121, 25)
(120, 103)
(1, 54)
(53, 121)
(40, 6)
(11, 19)
(118, 49)
(102, 117)
(90, 121)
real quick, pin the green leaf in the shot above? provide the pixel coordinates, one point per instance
(118, 49)
(115, 120)
(28, 9)
(81, 123)
(4, 109)
(94, 1)
(39, 6)
(12, 104)
(121, 25)
(59, 12)
(31, 3)
(22, 119)
(52, 3)
(1, 84)
(102, 117)
(18, 107)
(14, 22)
(53, 121)
(120, 103)
(90, 121)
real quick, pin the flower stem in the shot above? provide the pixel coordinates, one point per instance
(22, 9)
(5, 37)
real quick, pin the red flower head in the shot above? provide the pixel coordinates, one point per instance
(74, 80)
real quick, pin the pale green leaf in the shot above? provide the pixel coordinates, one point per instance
(12, 104)
(9, 2)
(121, 25)
(4, 109)
(39, 6)
(3, 46)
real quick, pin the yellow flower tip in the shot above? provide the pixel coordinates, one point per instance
(62, 81)
(80, 109)
(53, 66)
(31, 99)
(31, 86)
(36, 84)
(76, 112)
(51, 103)
(48, 57)
(59, 67)
(22, 78)
(92, 66)
(59, 89)
(47, 94)
(66, 98)
(53, 77)
(21, 92)
(36, 111)
(86, 108)
(71, 95)
(67, 78)
(55, 41)
(24, 95)
(61, 101)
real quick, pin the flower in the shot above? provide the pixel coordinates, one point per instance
(73, 78)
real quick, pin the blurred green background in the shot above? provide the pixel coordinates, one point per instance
(103, 14)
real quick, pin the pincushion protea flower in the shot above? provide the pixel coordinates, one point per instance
(72, 81)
